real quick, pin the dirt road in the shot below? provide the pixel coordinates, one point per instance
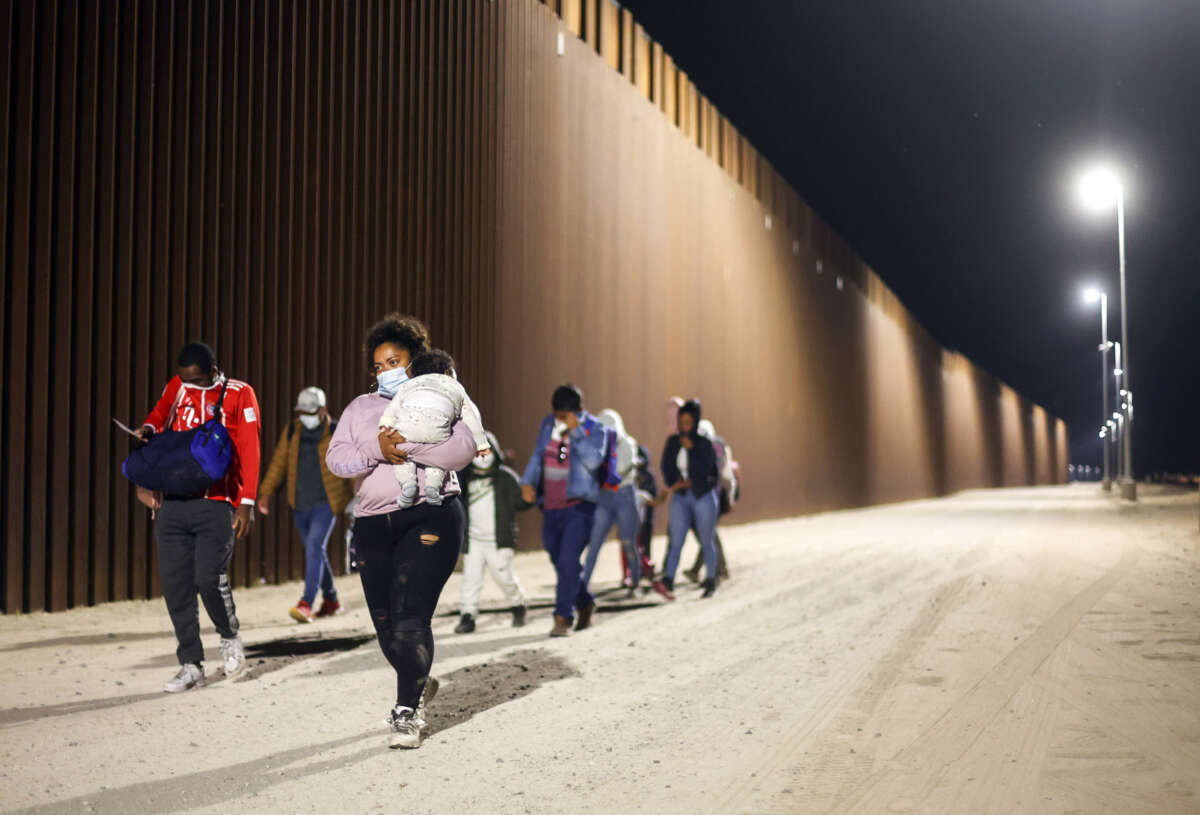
(1029, 650)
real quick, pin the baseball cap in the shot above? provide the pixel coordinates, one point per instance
(310, 400)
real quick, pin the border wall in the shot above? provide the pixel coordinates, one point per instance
(273, 176)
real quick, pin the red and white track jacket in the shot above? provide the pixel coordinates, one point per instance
(187, 406)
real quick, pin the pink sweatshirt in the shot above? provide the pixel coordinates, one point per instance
(354, 453)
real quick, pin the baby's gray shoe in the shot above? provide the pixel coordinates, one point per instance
(433, 496)
(408, 496)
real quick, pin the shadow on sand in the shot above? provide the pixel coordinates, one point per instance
(464, 693)
(271, 655)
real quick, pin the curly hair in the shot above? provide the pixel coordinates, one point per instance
(436, 361)
(400, 329)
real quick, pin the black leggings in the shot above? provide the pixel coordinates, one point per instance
(404, 560)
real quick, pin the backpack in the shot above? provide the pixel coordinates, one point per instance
(727, 496)
(607, 473)
(183, 462)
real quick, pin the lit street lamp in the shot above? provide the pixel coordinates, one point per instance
(1092, 296)
(1100, 189)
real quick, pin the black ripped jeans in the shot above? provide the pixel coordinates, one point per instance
(404, 560)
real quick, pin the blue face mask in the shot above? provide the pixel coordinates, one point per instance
(389, 381)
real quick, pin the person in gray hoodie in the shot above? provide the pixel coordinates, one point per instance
(493, 499)
(617, 504)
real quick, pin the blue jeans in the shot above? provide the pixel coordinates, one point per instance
(315, 525)
(687, 512)
(564, 534)
(619, 508)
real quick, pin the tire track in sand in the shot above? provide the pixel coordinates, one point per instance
(742, 796)
(912, 773)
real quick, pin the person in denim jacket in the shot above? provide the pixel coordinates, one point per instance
(563, 476)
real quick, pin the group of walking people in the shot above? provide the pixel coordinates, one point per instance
(588, 475)
(425, 482)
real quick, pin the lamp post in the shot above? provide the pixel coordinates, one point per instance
(1100, 188)
(1111, 439)
(1118, 373)
(1091, 296)
(1117, 438)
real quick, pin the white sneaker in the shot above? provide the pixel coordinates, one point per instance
(189, 676)
(233, 659)
(406, 728)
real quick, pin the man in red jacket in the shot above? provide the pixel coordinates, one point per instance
(196, 533)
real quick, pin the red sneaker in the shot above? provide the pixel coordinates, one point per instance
(328, 608)
(301, 612)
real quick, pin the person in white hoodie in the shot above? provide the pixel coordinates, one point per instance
(617, 504)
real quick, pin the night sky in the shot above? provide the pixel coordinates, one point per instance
(943, 140)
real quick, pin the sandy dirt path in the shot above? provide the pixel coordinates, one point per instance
(1023, 650)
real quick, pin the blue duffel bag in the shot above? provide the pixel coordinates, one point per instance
(183, 462)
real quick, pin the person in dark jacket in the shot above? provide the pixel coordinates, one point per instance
(493, 496)
(727, 495)
(317, 497)
(689, 468)
(647, 496)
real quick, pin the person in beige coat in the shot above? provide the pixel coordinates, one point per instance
(317, 497)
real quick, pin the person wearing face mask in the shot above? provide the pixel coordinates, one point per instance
(405, 555)
(689, 468)
(196, 533)
(564, 475)
(493, 499)
(317, 497)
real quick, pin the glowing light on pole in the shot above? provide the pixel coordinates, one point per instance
(1100, 189)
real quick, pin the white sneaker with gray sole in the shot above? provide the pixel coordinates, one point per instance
(408, 725)
(406, 729)
(233, 658)
(189, 676)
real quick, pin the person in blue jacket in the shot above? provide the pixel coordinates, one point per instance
(564, 475)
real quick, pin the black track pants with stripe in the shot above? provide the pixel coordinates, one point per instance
(195, 545)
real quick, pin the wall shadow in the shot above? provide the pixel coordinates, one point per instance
(16, 715)
(464, 694)
(213, 786)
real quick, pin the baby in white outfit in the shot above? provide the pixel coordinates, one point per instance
(423, 410)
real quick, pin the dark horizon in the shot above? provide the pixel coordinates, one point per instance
(943, 143)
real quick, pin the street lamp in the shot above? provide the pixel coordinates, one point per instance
(1097, 296)
(1117, 425)
(1119, 435)
(1099, 189)
(1118, 379)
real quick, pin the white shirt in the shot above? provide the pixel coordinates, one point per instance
(481, 519)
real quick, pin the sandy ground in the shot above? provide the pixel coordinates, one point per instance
(1028, 650)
